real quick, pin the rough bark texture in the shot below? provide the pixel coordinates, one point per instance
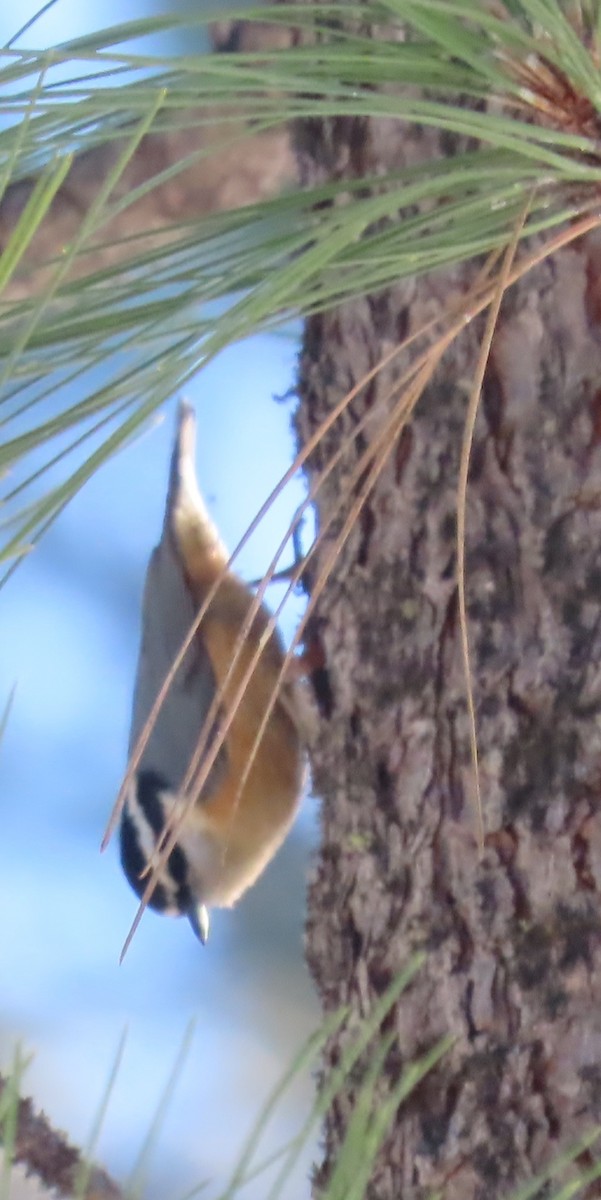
(513, 939)
(48, 1157)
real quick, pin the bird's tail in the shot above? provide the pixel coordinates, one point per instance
(187, 519)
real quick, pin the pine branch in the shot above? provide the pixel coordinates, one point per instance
(45, 1153)
(229, 171)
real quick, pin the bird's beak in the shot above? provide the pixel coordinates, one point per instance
(199, 920)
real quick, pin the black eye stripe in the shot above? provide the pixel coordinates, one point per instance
(149, 785)
(178, 867)
(132, 858)
(148, 811)
(133, 863)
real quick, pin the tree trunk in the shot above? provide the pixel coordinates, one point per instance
(513, 937)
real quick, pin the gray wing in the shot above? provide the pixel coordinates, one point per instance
(167, 613)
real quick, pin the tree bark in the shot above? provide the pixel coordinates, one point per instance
(513, 943)
(512, 937)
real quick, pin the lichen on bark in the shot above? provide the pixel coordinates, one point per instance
(513, 935)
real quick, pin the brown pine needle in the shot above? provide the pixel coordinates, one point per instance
(483, 293)
(464, 466)
(298, 463)
(386, 441)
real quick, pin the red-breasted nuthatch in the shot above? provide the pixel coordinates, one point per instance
(227, 836)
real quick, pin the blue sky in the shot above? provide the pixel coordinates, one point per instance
(69, 628)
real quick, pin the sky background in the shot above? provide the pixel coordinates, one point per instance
(69, 629)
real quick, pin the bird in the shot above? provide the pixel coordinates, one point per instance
(225, 834)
